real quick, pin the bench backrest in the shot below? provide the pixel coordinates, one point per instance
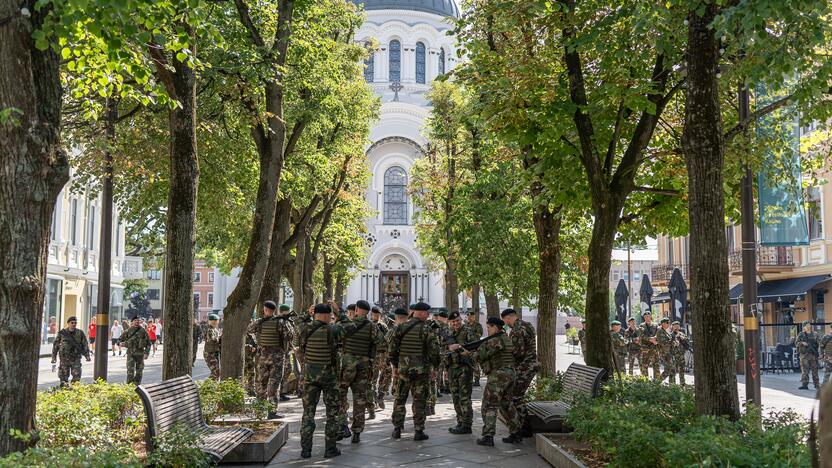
(582, 379)
(170, 402)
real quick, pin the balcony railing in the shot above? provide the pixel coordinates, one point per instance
(665, 271)
(780, 256)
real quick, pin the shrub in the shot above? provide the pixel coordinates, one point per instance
(221, 398)
(546, 388)
(95, 416)
(178, 447)
(72, 457)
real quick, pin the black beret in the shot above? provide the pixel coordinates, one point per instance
(412, 306)
(453, 315)
(400, 311)
(363, 305)
(497, 322)
(72, 319)
(351, 307)
(376, 310)
(474, 312)
(323, 309)
(421, 306)
(507, 312)
(270, 305)
(441, 313)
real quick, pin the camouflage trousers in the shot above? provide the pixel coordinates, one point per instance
(632, 355)
(477, 371)
(827, 364)
(523, 376)
(193, 356)
(460, 379)
(213, 362)
(376, 389)
(498, 396)
(250, 369)
(809, 362)
(650, 358)
(355, 376)
(669, 366)
(416, 384)
(320, 379)
(287, 373)
(678, 368)
(269, 372)
(620, 360)
(135, 368)
(67, 366)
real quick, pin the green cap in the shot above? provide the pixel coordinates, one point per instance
(615, 322)
(646, 312)
(805, 322)
(213, 317)
(664, 320)
(676, 322)
(284, 307)
(631, 319)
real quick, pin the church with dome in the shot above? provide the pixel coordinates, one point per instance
(413, 48)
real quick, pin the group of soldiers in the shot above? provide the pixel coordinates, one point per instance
(363, 352)
(652, 345)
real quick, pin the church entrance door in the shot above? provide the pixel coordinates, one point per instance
(395, 290)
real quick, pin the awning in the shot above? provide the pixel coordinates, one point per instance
(735, 293)
(661, 298)
(784, 290)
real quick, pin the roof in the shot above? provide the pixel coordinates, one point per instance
(437, 7)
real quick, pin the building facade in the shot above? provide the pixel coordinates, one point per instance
(72, 263)
(204, 278)
(413, 48)
(632, 269)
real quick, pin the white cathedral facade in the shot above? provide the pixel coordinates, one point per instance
(413, 48)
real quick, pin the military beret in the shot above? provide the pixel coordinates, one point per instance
(453, 315)
(615, 322)
(442, 313)
(376, 310)
(400, 311)
(631, 319)
(284, 307)
(363, 305)
(805, 322)
(421, 306)
(213, 317)
(351, 307)
(135, 317)
(474, 312)
(646, 312)
(443, 309)
(392, 316)
(72, 319)
(412, 306)
(497, 322)
(323, 309)
(675, 322)
(270, 305)
(507, 312)
(664, 320)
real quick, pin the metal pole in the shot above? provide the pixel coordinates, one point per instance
(749, 272)
(105, 250)
(629, 282)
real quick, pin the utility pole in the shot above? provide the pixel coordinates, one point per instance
(749, 271)
(105, 247)
(629, 282)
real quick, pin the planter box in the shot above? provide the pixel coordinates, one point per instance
(259, 452)
(556, 456)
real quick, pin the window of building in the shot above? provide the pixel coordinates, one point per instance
(196, 300)
(395, 55)
(73, 222)
(615, 275)
(669, 249)
(51, 311)
(117, 238)
(814, 213)
(625, 276)
(820, 316)
(395, 196)
(154, 274)
(636, 276)
(152, 294)
(420, 63)
(91, 227)
(369, 65)
(686, 249)
(210, 299)
(197, 276)
(210, 277)
(442, 61)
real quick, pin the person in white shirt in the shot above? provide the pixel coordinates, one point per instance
(115, 334)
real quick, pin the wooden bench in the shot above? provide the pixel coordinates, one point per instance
(176, 401)
(548, 416)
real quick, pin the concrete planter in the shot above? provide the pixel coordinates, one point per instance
(259, 452)
(552, 453)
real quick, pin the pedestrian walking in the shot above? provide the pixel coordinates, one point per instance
(135, 340)
(115, 333)
(70, 345)
(807, 349)
(526, 365)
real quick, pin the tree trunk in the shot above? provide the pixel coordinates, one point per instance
(340, 284)
(714, 347)
(329, 286)
(492, 305)
(547, 231)
(598, 346)
(308, 270)
(33, 168)
(270, 144)
(516, 300)
(475, 298)
(277, 253)
(297, 274)
(451, 286)
(181, 226)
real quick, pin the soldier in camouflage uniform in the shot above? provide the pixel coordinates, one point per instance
(526, 365)
(359, 352)
(70, 345)
(197, 335)
(273, 337)
(376, 391)
(136, 340)
(250, 369)
(211, 351)
(633, 346)
(496, 357)
(460, 374)
(285, 311)
(826, 355)
(300, 321)
(318, 341)
(475, 325)
(664, 339)
(414, 354)
(807, 348)
(444, 331)
(649, 346)
(619, 346)
(582, 337)
(680, 345)
(400, 316)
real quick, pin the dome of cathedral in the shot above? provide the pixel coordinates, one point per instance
(437, 7)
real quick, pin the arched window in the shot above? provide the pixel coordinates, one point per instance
(420, 63)
(369, 65)
(395, 196)
(442, 61)
(395, 61)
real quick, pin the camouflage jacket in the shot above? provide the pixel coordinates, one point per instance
(464, 334)
(807, 343)
(489, 353)
(284, 329)
(477, 329)
(430, 344)
(136, 340)
(680, 343)
(664, 339)
(582, 336)
(381, 337)
(826, 347)
(523, 339)
(337, 331)
(212, 340)
(69, 350)
(632, 334)
(619, 343)
(645, 332)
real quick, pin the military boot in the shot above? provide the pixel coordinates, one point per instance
(380, 400)
(345, 432)
(486, 440)
(420, 435)
(331, 452)
(356, 437)
(460, 430)
(397, 433)
(803, 387)
(305, 452)
(371, 414)
(513, 438)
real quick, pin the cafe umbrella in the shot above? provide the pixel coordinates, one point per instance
(678, 296)
(645, 294)
(622, 295)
